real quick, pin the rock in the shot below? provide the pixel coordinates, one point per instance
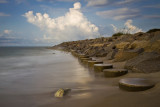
(85, 59)
(145, 62)
(122, 45)
(91, 63)
(101, 67)
(154, 43)
(135, 84)
(83, 56)
(111, 54)
(114, 72)
(62, 92)
(124, 55)
(139, 44)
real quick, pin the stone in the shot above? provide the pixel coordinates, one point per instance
(111, 54)
(135, 84)
(114, 72)
(122, 45)
(62, 92)
(124, 55)
(147, 62)
(139, 44)
(83, 56)
(85, 59)
(101, 67)
(91, 63)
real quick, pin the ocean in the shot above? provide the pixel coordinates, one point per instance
(29, 76)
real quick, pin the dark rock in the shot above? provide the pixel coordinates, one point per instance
(114, 72)
(127, 54)
(101, 67)
(111, 54)
(135, 84)
(146, 63)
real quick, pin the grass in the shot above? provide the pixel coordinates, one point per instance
(118, 34)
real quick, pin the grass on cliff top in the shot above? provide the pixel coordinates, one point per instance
(118, 34)
(153, 30)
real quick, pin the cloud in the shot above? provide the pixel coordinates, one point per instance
(152, 16)
(7, 31)
(72, 26)
(152, 6)
(56, 0)
(114, 28)
(119, 14)
(20, 1)
(109, 2)
(3, 1)
(129, 28)
(4, 14)
(132, 28)
(125, 2)
(6, 38)
(97, 2)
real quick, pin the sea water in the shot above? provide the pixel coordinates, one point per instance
(30, 74)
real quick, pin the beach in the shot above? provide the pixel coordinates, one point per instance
(34, 82)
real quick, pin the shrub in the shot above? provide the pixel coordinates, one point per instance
(153, 30)
(117, 34)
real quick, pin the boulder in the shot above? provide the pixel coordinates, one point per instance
(111, 54)
(138, 44)
(122, 45)
(135, 84)
(124, 55)
(114, 72)
(146, 62)
(62, 92)
(101, 67)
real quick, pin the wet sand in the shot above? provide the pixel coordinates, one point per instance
(105, 92)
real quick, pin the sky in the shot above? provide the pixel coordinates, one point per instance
(50, 22)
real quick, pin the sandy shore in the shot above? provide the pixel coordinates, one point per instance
(103, 92)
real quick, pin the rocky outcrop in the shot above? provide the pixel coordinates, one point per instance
(127, 54)
(133, 48)
(147, 62)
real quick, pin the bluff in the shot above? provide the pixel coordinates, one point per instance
(140, 51)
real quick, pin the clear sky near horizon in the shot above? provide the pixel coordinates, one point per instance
(49, 22)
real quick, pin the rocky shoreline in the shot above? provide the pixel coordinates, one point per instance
(138, 52)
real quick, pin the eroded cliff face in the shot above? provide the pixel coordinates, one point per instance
(141, 51)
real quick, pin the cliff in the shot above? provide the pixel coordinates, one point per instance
(140, 51)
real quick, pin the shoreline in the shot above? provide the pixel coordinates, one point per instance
(139, 53)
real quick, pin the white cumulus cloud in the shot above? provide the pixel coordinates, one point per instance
(132, 28)
(128, 28)
(72, 26)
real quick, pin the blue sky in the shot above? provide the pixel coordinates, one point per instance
(49, 22)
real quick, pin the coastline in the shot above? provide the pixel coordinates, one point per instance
(142, 49)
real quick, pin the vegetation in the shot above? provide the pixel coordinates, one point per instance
(153, 30)
(117, 34)
(120, 32)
